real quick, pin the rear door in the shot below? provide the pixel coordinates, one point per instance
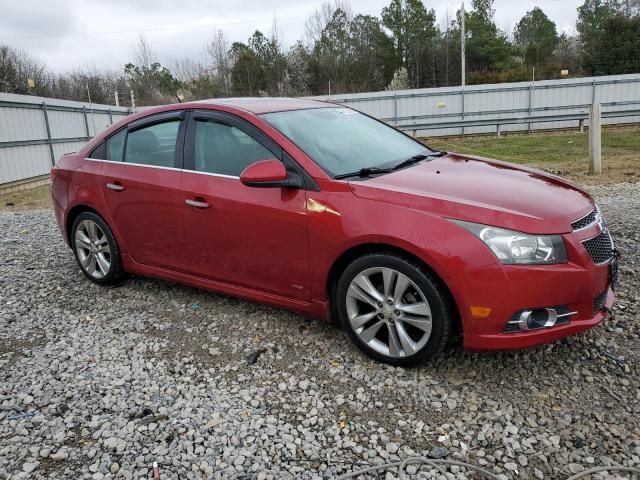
(141, 186)
(250, 237)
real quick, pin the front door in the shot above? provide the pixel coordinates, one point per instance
(244, 236)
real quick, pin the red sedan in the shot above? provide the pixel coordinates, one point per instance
(323, 210)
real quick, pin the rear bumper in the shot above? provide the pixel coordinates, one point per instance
(59, 201)
(509, 289)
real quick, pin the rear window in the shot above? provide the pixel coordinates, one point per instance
(115, 146)
(99, 152)
(111, 149)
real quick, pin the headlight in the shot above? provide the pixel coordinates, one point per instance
(515, 247)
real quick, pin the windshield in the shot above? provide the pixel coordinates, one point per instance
(341, 140)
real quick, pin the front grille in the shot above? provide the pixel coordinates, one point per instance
(600, 248)
(598, 302)
(585, 221)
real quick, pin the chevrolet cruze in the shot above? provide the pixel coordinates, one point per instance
(321, 209)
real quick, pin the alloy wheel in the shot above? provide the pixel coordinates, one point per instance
(92, 248)
(388, 312)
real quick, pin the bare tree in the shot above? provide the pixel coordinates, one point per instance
(318, 20)
(278, 57)
(221, 63)
(143, 52)
(187, 70)
(82, 83)
(22, 73)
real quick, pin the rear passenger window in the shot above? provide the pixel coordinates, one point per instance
(115, 146)
(154, 145)
(225, 150)
(99, 152)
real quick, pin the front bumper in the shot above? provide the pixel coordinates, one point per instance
(507, 289)
(512, 341)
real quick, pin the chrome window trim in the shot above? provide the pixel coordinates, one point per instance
(221, 175)
(130, 163)
(163, 168)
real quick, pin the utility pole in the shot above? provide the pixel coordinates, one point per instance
(463, 37)
(115, 95)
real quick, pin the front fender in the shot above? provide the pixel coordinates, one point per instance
(346, 221)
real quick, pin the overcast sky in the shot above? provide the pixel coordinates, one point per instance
(67, 34)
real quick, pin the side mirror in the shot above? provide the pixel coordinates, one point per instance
(265, 174)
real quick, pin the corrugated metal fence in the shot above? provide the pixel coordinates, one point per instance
(36, 131)
(548, 104)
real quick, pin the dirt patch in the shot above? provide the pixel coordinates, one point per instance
(29, 199)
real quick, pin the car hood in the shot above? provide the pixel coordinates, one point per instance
(482, 190)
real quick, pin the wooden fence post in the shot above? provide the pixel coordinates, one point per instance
(595, 140)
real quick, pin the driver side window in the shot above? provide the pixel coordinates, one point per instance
(224, 149)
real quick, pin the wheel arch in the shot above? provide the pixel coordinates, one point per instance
(73, 214)
(346, 257)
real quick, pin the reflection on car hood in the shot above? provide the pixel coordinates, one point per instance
(491, 192)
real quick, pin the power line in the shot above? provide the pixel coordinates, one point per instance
(161, 29)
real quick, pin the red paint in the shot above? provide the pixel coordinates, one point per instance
(278, 245)
(264, 171)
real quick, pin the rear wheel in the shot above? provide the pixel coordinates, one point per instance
(393, 310)
(96, 250)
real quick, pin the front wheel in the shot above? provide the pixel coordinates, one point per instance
(393, 309)
(96, 249)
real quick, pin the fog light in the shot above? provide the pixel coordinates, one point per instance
(534, 319)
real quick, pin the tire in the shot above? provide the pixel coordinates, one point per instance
(401, 316)
(96, 250)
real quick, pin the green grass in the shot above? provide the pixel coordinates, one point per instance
(564, 153)
(540, 148)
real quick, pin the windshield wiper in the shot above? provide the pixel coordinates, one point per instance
(368, 171)
(416, 159)
(437, 153)
(364, 172)
(409, 161)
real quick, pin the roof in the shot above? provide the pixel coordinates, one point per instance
(260, 105)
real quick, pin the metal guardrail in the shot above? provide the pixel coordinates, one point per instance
(586, 106)
(482, 89)
(515, 98)
(499, 122)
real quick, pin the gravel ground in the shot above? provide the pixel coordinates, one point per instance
(100, 383)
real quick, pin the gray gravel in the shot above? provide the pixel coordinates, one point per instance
(100, 383)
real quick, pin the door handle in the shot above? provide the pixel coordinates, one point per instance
(116, 187)
(196, 203)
